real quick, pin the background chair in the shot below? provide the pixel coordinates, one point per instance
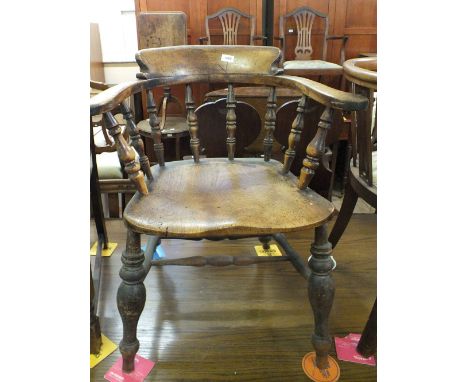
(155, 30)
(302, 20)
(217, 198)
(362, 174)
(107, 161)
(237, 27)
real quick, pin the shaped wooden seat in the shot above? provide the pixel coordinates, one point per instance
(219, 198)
(213, 198)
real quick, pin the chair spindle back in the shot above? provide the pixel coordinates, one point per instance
(162, 67)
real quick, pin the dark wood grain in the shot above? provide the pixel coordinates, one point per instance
(219, 197)
(240, 323)
(212, 133)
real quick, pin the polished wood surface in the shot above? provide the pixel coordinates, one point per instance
(239, 324)
(219, 198)
(362, 73)
(212, 133)
(156, 29)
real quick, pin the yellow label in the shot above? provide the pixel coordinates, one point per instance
(272, 251)
(105, 252)
(107, 348)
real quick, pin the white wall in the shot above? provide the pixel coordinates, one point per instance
(116, 73)
(117, 27)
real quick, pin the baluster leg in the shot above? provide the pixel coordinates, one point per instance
(131, 298)
(367, 345)
(265, 240)
(321, 292)
(95, 327)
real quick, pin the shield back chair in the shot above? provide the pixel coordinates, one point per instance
(218, 198)
(230, 26)
(362, 172)
(302, 20)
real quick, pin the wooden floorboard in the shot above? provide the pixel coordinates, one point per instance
(249, 323)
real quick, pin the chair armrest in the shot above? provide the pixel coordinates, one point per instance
(98, 85)
(321, 93)
(344, 39)
(112, 97)
(201, 40)
(280, 39)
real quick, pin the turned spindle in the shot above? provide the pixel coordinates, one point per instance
(192, 123)
(218, 261)
(315, 150)
(126, 154)
(155, 128)
(294, 135)
(270, 122)
(136, 141)
(231, 122)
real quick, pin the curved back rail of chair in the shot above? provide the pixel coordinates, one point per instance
(230, 18)
(362, 73)
(193, 64)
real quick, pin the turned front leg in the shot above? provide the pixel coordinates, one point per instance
(321, 293)
(131, 298)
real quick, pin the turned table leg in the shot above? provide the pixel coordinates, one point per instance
(265, 240)
(95, 328)
(131, 298)
(321, 293)
(367, 345)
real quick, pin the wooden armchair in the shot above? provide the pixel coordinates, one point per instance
(216, 198)
(228, 21)
(362, 174)
(302, 19)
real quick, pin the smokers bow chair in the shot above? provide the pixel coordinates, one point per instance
(215, 198)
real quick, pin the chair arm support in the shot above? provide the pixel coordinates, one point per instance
(112, 97)
(280, 39)
(202, 40)
(344, 40)
(330, 97)
(98, 85)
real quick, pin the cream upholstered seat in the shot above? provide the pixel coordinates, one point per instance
(310, 65)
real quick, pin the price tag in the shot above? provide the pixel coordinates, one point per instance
(227, 58)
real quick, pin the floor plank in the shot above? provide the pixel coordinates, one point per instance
(240, 323)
